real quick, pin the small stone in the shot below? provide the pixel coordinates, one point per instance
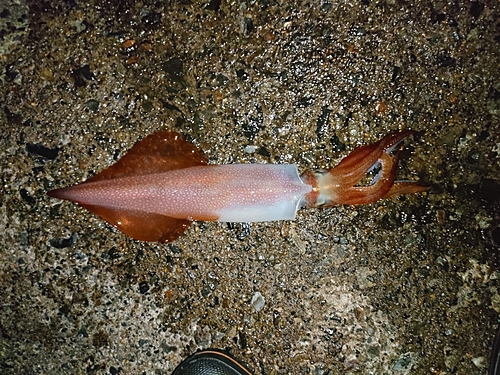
(38, 149)
(479, 362)
(250, 149)
(143, 287)
(258, 301)
(47, 74)
(92, 104)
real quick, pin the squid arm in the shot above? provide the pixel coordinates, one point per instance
(163, 183)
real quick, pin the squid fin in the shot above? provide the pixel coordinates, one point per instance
(159, 152)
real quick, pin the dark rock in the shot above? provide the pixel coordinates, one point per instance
(61, 243)
(27, 197)
(214, 5)
(38, 149)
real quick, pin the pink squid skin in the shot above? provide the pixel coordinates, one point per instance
(163, 183)
(227, 193)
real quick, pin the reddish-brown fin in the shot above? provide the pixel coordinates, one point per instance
(159, 152)
(142, 226)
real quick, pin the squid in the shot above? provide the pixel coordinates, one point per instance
(163, 184)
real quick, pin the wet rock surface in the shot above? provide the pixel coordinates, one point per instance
(404, 286)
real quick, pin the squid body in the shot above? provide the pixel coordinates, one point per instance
(163, 183)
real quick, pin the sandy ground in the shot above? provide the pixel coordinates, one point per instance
(404, 286)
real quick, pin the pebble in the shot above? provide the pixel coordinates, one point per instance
(258, 301)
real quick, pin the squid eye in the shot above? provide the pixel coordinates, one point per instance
(320, 172)
(321, 201)
(210, 362)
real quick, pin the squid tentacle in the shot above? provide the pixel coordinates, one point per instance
(338, 185)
